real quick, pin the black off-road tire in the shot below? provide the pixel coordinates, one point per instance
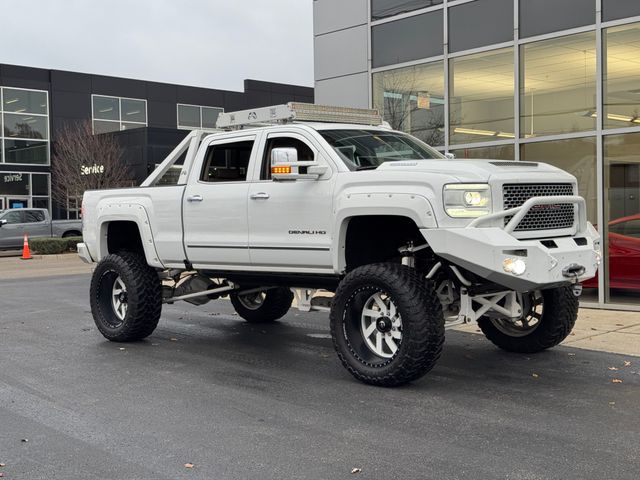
(274, 304)
(144, 297)
(422, 321)
(559, 314)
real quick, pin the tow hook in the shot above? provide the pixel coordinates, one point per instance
(574, 271)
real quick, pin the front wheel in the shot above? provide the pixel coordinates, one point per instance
(126, 297)
(547, 319)
(387, 324)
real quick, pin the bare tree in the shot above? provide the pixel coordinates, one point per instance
(84, 161)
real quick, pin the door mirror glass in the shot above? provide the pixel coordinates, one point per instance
(283, 155)
(2, 222)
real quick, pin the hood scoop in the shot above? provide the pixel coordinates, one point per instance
(514, 164)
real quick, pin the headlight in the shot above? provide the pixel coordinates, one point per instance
(467, 200)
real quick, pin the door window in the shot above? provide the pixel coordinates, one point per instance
(33, 216)
(13, 217)
(227, 162)
(305, 154)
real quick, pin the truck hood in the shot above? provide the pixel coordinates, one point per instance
(475, 170)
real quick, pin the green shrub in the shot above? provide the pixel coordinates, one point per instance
(53, 246)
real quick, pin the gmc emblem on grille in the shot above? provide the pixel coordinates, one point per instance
(546, 207)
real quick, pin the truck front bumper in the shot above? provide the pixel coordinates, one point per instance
(83, 253)
(548, 262)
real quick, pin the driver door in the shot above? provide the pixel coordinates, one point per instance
(290, 221)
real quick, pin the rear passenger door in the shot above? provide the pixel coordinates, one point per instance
(215, 204)
(36, 224)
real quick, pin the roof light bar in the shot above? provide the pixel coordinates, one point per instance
(302, 112)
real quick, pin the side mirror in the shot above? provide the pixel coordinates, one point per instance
(285, 166)
(3, 222)
(450, 156)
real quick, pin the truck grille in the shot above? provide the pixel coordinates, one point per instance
(546, 217)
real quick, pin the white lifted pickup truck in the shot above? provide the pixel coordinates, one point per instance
(284, 201)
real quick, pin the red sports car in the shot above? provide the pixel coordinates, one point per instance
(624, 254)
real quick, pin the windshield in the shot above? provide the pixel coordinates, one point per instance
(368, 149)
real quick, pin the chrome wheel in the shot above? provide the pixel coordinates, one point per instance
(252, 301)
(532, 309)
(119, 298)
(381, 325)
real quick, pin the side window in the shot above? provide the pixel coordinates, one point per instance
(33, 216)
(13, 217)
(305, 154)
(227, 162)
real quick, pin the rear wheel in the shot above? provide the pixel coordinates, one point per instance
(126, 297)
(547, 319)
(263, 307)
(387, 324)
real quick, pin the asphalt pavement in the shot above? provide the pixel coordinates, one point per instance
(240, 401)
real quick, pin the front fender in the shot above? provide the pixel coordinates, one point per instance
(413, 206)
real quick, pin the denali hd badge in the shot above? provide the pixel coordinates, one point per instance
(307, 232)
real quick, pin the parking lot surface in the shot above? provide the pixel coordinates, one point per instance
(241, 401)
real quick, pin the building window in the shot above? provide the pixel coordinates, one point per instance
(388, 8)
(112, 114)
(25, 126)
(545, 16)
(558, 85)
(197, 116)
(621, 76)
(24, 190)
(407, 39)
(622, 216)
(481, 97)
(468, 24)
(615, 9)
(412, 100)
(496, 152)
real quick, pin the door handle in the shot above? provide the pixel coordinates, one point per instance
(194, 198)
(259, 196)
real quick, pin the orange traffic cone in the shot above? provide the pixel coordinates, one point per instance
(26, 253)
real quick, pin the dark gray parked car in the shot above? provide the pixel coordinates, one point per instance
(36, 223)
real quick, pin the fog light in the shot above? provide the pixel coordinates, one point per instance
(515, 266)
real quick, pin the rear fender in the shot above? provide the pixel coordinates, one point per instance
(129, 212)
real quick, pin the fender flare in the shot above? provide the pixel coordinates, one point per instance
(128, 212)
(415, 207)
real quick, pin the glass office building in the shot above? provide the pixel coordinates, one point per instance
(555, 81)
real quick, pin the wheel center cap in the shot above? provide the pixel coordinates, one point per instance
(122, 297)
(383, 324)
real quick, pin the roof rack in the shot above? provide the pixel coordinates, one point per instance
(301, 112)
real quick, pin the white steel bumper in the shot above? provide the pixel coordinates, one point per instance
(486, 250)
(83, 253)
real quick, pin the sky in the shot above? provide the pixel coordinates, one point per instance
(206, 43)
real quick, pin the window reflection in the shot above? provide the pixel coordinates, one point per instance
(24, 101)
(412, 100)
(481, 97)
(558, 85)
(622, 214)
(622, 76)
(496, 152)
